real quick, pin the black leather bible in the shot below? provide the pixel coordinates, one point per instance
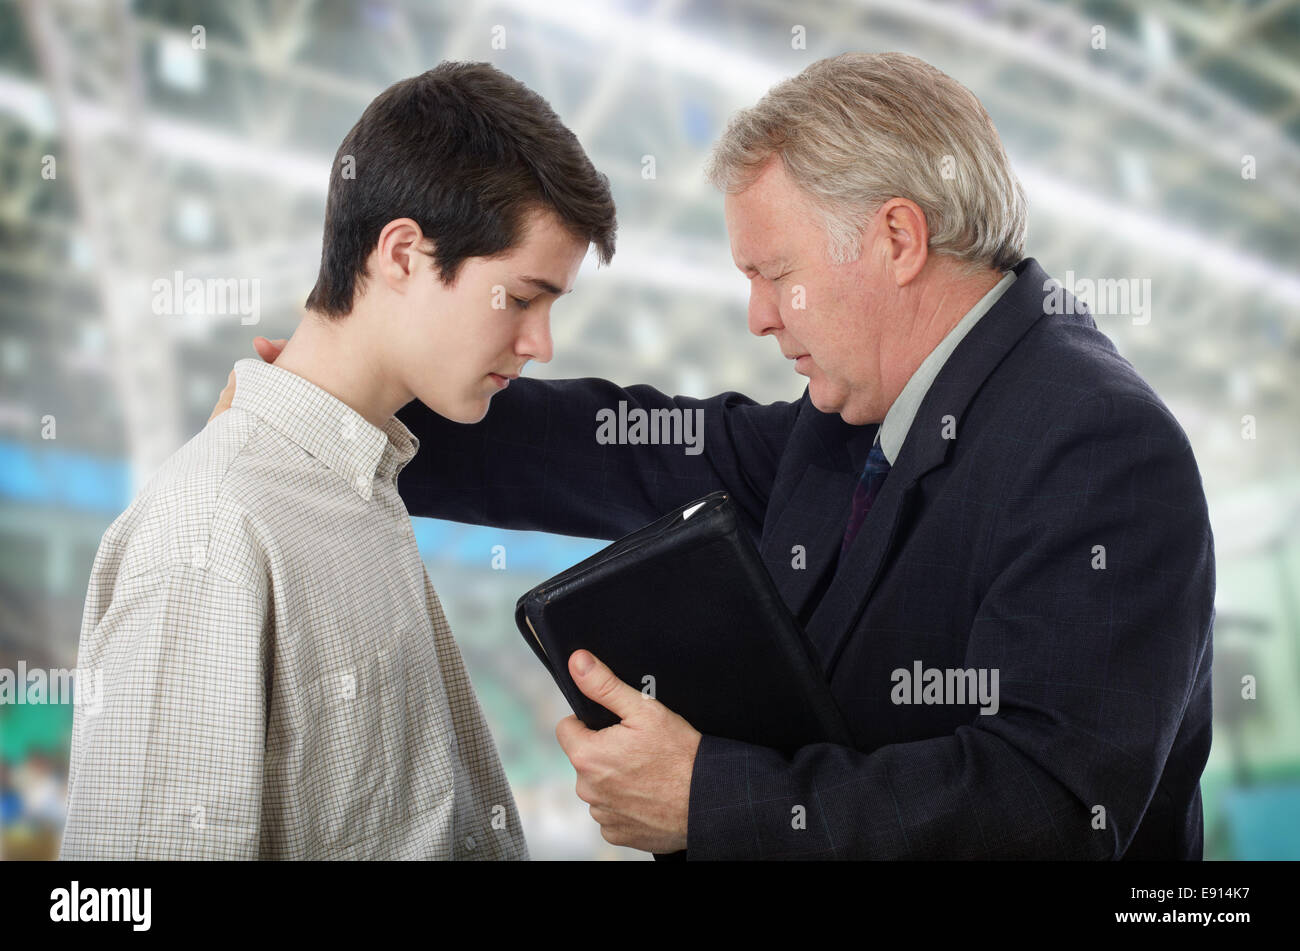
(684, 610)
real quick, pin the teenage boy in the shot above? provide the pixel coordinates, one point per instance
(279, 679)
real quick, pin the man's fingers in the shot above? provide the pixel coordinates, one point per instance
(223, 400)
(569, 733)
(268, 350)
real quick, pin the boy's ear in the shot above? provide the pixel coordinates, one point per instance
(398, 252)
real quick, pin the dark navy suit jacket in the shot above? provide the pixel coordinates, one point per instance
(1044, 518)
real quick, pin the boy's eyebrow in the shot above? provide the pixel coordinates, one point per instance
(543, 284)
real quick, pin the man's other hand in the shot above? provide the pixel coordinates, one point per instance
(636, 774)
(268, 350)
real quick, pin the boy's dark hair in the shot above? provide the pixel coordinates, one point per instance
(467, 152)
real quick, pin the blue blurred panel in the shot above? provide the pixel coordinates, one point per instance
(1264, 822)
(89, 483)
(72, 480)
(472, 545)
(11, 806)
(19, 475)
(55, 476)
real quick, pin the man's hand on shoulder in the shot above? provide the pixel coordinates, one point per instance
(268, 350)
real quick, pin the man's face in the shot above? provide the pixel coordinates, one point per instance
(460, 344)
(828, 316)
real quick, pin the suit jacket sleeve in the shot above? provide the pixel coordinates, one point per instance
(534, 462)
(1095, 665)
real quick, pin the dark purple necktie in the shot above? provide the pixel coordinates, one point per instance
(864, 493)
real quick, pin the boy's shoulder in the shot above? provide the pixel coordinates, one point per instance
(203, 501)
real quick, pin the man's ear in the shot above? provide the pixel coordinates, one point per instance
(398, 253)
(906, 238)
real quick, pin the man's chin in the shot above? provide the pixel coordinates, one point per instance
(838, 403)
(857, 418)
(818, 397)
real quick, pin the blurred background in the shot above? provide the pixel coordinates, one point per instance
(1156, 140)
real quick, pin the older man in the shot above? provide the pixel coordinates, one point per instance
(992, 529)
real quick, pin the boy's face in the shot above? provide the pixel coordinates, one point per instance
(459, 345)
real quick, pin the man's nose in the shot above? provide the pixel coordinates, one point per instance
(764, 314)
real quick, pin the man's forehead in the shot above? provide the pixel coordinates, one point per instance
(755, 244)
(757, 255)
(771, 260)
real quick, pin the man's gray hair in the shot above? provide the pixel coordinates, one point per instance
(858, 129)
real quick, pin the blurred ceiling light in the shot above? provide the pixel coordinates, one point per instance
(1153, 237)
(1133, 173)
(29, 102)
(310, 173)
(193, 218)
(676, 265)
(227, 151)
(1156, 41)
(81, 253)
(650, 38)
(180, 65)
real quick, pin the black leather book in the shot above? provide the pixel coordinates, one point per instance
(684, 610)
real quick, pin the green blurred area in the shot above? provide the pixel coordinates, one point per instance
(34, 728)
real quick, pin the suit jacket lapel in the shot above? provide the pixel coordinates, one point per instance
(801, 546)
(924, 449)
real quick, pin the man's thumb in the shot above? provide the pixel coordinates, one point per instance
(599, 683)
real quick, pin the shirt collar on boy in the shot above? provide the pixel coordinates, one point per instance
(323, 425)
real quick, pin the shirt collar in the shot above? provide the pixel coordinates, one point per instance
(323, 425)
(898, 420)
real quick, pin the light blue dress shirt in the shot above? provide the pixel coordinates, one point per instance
(898, 420)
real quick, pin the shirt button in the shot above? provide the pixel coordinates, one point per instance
(196, 557)
(362, 483)
(469, 843)
(349, 429)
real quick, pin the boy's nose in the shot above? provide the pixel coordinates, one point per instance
(536, 341)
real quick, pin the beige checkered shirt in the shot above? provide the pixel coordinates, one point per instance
(277, 677)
